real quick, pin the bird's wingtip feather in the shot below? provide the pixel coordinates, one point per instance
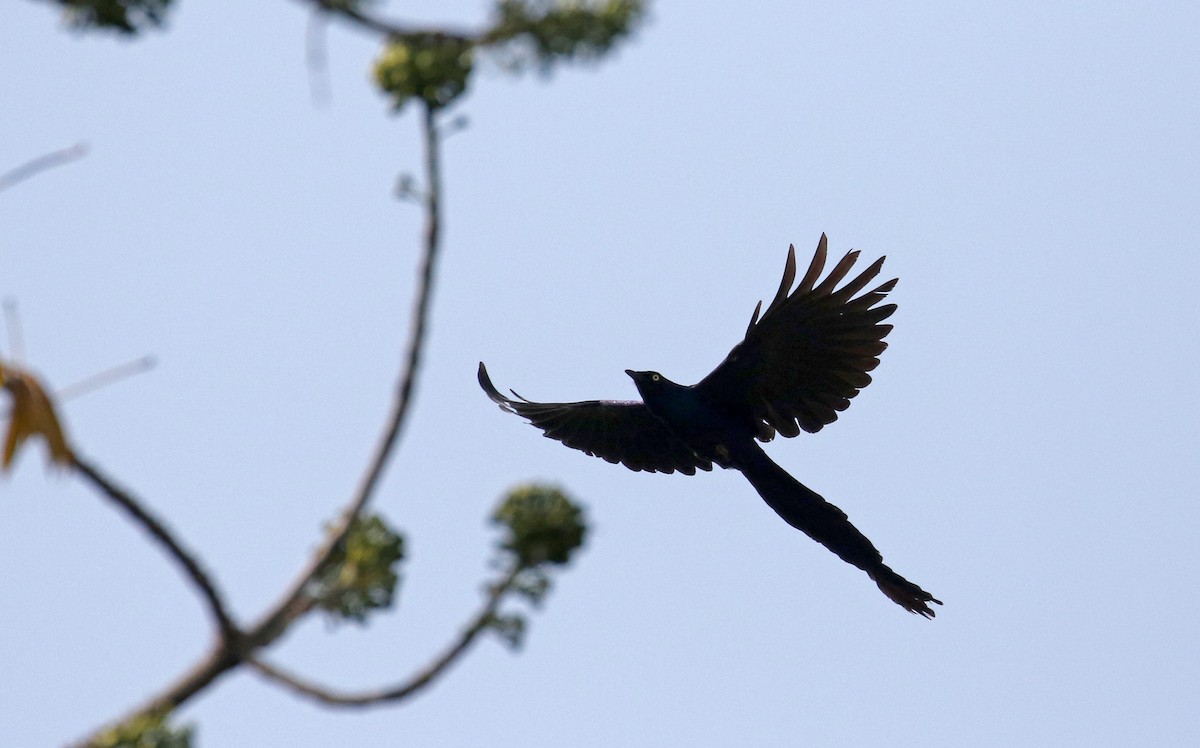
(815, 267)
(490, 389)
(785, 284)
(754, 317)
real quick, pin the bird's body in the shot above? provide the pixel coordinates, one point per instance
(797, 367)
(704, 426)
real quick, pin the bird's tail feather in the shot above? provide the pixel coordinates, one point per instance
(903, 592)
(804, 509)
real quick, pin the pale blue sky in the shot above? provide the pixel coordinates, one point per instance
(1027, 451)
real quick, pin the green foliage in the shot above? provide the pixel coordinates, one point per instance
(532, 584)
(145, 731)
(544, 526)
(552, 30)
(123, 16)
(431, 67)
(511, 628)
(360, 575)
(436, 67)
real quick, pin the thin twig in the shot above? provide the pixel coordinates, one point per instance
(294, 603)
(41, 163)
(406, 688)
(191, 567)
(229, 653)
(106, 377)
(379, 25)
(12, 323)
(219, 661)
(316, 59)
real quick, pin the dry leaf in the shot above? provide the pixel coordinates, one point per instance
(32, 414)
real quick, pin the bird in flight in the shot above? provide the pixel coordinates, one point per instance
(796, 369)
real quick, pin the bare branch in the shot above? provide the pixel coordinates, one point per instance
(317, 60)
(381, 25)
(41, 163)
(191, 567)
(405, 688)
(107, 377)
(237, 647)
(220, 660)
(294, 603)
(12, 322)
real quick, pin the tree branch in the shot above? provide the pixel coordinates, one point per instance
(379, 25)
(219, 661)
(236, 646)
(295, 603)
(228, 630)
(41, 163)
(406, 688)
(317, 61)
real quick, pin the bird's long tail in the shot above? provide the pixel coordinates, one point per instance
(805, 510)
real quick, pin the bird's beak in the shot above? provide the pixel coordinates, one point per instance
(634, 375)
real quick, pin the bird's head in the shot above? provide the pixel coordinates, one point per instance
(649, 382)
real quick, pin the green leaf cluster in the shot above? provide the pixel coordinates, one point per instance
(146, 731)
(433, 68)
(361, 574)
(436, 68)
(123, 16)
(510, 629)
(543, 525)
(550, 31)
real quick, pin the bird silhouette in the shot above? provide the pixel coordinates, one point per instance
(797, 367)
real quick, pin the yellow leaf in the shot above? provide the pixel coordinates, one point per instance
(32, 414)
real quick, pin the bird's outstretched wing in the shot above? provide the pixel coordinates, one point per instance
(800, 364)
(616, 431)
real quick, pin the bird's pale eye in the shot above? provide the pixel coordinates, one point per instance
(654, 377)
